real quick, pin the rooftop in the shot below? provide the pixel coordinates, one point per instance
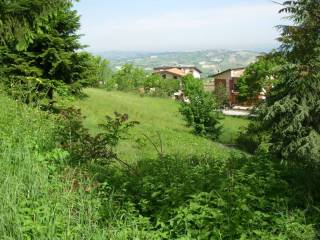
(174, 71)
(228, 70)
(178, 67)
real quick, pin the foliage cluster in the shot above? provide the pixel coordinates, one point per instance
(131, 78)
(221, 96)
(289, 118)
(50, 60)
(205, 198)
(258, 77)
(85, 148)
(20, 20)
(202, 115)
(201, 111)
(169, 197)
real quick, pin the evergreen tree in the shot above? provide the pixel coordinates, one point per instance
(51, 60)
(20, 20)
(292, 113)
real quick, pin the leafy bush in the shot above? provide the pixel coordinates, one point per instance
(129, 77)
(167, 87)
(221, 96)
(254, 138)
(209, 216)
(258, 76)
(201, 114)
(85, 148)
(206, 198)
(191, 85)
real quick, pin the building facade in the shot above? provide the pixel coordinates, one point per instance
(228, 79)
(177, 72)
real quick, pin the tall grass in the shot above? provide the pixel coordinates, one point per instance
(157, 116)
(42, 198)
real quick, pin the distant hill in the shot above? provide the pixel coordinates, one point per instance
(209, 61)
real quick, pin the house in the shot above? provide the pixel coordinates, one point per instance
(228, 79)
(177, 72)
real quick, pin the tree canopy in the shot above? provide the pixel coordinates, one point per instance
(21, 20)
(292, 112)
(50, 59)
(259, 76)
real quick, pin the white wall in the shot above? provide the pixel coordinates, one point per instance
(196, 74)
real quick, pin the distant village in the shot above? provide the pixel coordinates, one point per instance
(227, 79)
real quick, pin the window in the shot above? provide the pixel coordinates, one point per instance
(164, 76)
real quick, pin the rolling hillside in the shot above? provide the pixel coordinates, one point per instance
(209, 61)
(157, 116)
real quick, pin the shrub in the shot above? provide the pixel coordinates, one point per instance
(85, 148)
(201, 114)
(250, 204)
(254, 138)
(221, 96)
(129, 78)
(192, 85)
(206, 198)
(167, 87)
(162, 87)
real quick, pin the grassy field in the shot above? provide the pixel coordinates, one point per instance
(157, 116)
(36, 201)
(231, 128)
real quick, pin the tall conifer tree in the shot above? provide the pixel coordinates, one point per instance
(293, 107)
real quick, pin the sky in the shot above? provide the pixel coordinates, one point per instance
(178, 25)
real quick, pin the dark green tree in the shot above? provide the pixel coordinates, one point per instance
(51, 60)
(292, 113)
(20, 20)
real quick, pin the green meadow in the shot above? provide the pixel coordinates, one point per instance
(160, 124)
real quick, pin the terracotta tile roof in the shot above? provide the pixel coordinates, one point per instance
(179, 67)
(174, 71)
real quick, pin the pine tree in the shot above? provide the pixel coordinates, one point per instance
(51, 60)
(21, 19)
(293, 107)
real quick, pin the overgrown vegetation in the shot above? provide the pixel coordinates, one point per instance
(62, 180)
(131, 78)
(259, 77)
(164, 198)
(157, 116)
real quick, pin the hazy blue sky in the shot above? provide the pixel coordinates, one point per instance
(169, 25)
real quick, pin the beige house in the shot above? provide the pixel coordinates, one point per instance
(229, 79)
(177, 72)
